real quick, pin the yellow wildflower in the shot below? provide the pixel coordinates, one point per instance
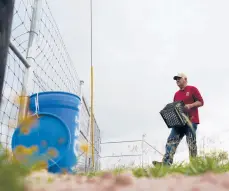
(84, 148)
(40, 165)
(52, 152)
(27, 124)
(20, 100)
(26, 151)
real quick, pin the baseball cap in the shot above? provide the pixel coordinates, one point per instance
(180, 75)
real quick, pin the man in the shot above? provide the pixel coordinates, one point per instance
(192, 99)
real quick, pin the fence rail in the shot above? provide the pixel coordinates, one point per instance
(6, 14)
(38, 61)
(128, 153)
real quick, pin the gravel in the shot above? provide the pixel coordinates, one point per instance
(43, 181)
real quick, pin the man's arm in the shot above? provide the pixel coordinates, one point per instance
(196, 104)
(174, 97)
(198, 97)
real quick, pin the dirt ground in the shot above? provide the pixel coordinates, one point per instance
(43, 181)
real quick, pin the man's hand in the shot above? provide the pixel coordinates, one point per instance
(188, 106)
(195, 104)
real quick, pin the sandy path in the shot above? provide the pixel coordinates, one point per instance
(43, 181)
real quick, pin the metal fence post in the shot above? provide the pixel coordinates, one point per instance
(81, 101)
(142, 147)
(23, 110)
(6, 17)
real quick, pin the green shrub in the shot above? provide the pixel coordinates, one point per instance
(11, 173)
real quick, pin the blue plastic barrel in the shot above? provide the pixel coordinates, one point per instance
(57, 126)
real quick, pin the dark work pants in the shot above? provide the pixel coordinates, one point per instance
(175, 138)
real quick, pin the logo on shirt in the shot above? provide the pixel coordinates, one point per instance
(187, 93)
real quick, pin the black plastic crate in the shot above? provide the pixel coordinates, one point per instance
(173, 113)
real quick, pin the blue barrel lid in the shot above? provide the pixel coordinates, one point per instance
(45, 131)
(57, 93)
(55, 99)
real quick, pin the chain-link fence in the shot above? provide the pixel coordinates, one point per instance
(38, 61)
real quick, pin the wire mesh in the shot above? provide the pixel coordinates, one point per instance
(12, 88)
(97, 141)
(21, 24)
(52, 69)
(121, 154)
(85, 136)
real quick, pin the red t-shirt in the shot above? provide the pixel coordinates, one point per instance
(189, 95)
